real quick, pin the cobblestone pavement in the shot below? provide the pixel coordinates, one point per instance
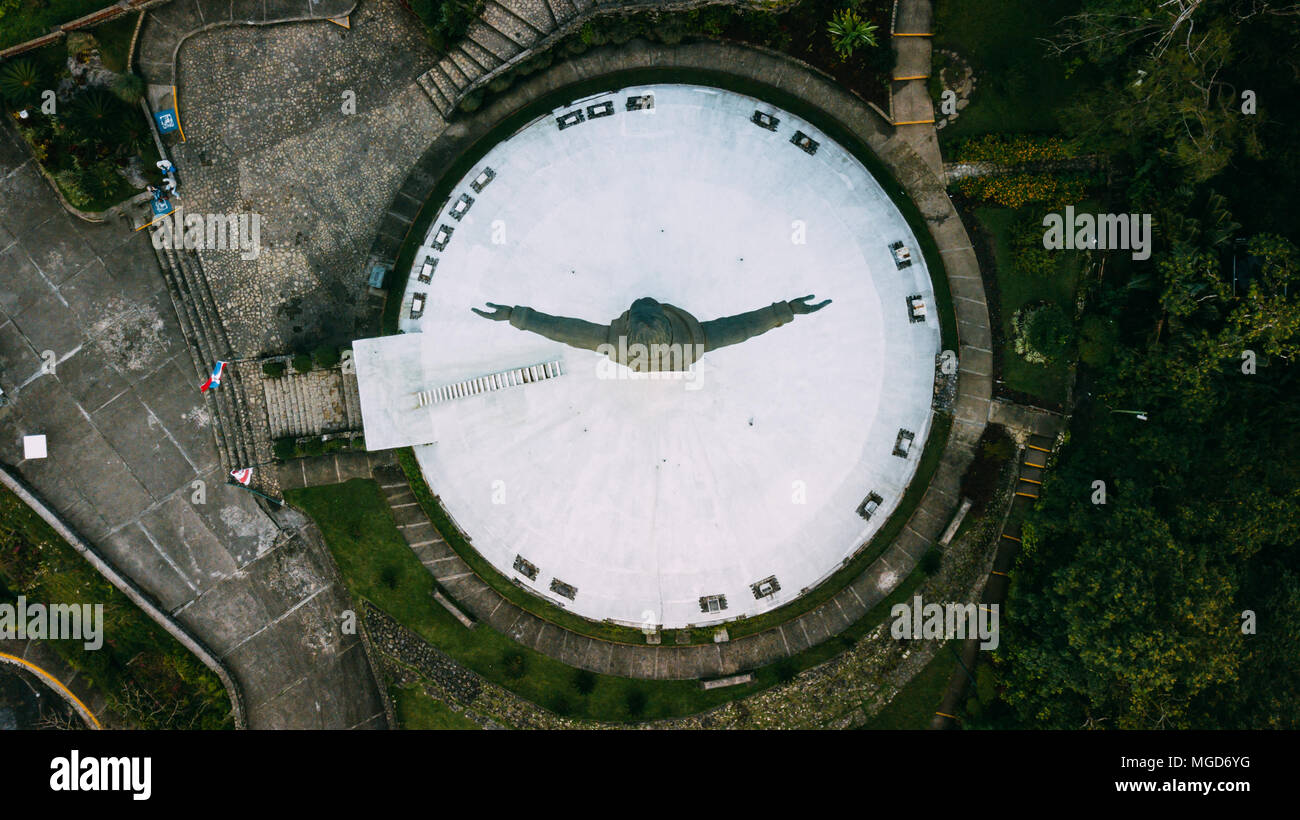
(264, 117)
(128, 437)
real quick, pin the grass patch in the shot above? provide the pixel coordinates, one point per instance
(913, 707)
(1017, 86)
(1049, 383)
(417, 710)
(377, 565)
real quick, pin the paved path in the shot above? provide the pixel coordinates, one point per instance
(910, 103)
(1032, 467)
(128, 436)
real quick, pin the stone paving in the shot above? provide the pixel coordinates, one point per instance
(128, 436)
(266, 132)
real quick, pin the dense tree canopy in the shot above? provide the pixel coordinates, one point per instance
(1130, 614)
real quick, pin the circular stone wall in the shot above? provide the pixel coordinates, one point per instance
(651, 500)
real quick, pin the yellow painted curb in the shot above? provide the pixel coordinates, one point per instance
(56, 682)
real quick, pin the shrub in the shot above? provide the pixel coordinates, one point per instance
(1016, 190)
(514, 664)
(670, 30)
(284, 448)
(1012, 149)
(99, 179)
(785, 670)
(335, 445)
(849, 32)
(96, 113)
(980, 481)
(21, 83)
(302, 363)
(80, 44)
(273, 370)
(446, 21)
(389, 576)
(931, 561)
(584, 682)
(592, 36)
(326, 356)
(1042, 333)
(70, 183)
(472, 102)
(312, 447)
(129, 88)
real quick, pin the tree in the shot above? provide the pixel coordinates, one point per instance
(21, 83)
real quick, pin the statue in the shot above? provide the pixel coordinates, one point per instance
(652, 336)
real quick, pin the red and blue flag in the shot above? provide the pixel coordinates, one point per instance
(215, 379)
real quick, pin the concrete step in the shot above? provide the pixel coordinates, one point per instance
(510, 25)
(492, 41)
(352, 398)
(457, 77)
(467, 67)
(484, 59)
(562, 10)
(533, 13)
(440, 102)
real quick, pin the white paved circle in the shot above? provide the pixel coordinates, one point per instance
(648, 495)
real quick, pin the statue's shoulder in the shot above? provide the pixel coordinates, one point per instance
(683, 321)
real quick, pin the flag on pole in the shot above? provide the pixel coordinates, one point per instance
(215, 379)
(243, 476)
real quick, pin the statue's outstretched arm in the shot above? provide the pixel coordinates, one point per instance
(731, 330)
(573, 332)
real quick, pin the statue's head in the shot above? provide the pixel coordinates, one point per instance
(647, 324)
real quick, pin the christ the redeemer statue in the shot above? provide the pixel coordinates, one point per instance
(651, 336)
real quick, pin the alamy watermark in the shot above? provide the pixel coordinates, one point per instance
(657, 362)
(53, 622)
(1125, 232)
(946, 622)
(210, 232)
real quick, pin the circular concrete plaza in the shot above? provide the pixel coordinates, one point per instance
(703, 497)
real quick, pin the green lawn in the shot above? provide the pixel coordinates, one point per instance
(378, 566)
(417, 710)
(917, 702)
(1017, 86)
(1048, 382)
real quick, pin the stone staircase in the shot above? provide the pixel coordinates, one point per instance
(507, 32)
(234, 425)
(312, 404)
